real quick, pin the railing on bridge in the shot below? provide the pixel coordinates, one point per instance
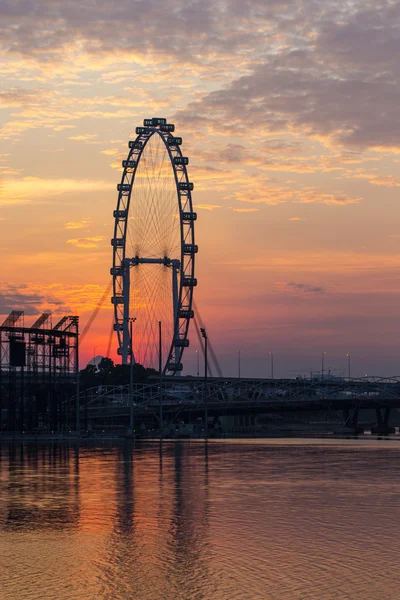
(268, 393)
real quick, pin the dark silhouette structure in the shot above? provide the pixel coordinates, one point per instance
(39, 374)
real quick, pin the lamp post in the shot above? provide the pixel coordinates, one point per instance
(204, 335)
(322, 365)
(239, 357)
(131, 320)
(272, 364)
(94, 355)
(348, 366)
(77, 385)
(160, 369)
(86, 404)
(198, 363)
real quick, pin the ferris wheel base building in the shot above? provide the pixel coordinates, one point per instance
(154, 250)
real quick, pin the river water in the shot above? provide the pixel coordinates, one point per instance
(270, 519)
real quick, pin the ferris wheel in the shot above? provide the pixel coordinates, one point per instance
(154, 250)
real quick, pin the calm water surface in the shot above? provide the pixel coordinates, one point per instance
(230, 520)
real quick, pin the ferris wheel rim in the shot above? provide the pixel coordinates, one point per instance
(188, 248)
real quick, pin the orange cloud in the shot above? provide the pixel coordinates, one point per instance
(86, 242)
(35, 298)
(15, 191)
(208, 206)
(78, 224)
(83, 137)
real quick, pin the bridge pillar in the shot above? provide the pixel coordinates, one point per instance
(354, 420)
(382, 422)
(217, 425)
(350, 419)
(346, 417)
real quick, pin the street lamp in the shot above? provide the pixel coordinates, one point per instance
(198, 363)
(322, 365)
(94, 355)
(348, 366)
(239, 356)
(272, 364)
(131, 320)
(204, 335)
(160, 369)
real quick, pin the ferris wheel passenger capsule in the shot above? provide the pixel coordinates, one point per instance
(123, 187)
(181, 160)
(185, 186)
(190, 249)
(185, 313)
(129, 164)
(120, 214)
(174, 141)
(168, 127)
(189, 281)
(181, 343)
(148, 122)
(189, 216)
(174, 367)
(155, 121)
(135, 145)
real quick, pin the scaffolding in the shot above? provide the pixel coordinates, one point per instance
(39, 374)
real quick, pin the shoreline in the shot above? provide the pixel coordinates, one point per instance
(295, 435)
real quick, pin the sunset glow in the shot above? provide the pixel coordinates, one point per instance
(289, 114)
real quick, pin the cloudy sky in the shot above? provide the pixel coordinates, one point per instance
(289, 111)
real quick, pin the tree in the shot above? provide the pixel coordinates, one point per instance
(105, 371)
(88, 376)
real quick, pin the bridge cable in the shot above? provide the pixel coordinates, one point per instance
(198, 320)
(110, 338)
(95, 312)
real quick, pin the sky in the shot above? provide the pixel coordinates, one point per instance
(289, 112)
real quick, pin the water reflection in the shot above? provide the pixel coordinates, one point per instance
(200, 521)
(40, 487)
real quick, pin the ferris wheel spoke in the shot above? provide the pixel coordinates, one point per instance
(149, 168)
(155, 216)
(144, 325)
(162, 197)
(162, 239)
(154, 314)
(155, 310)
(163, 242)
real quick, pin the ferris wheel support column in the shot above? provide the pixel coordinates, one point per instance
(175, 305)
(126, 282)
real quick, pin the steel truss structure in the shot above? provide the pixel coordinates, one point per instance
(154, 249)
(344, 398)
(38, 373)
